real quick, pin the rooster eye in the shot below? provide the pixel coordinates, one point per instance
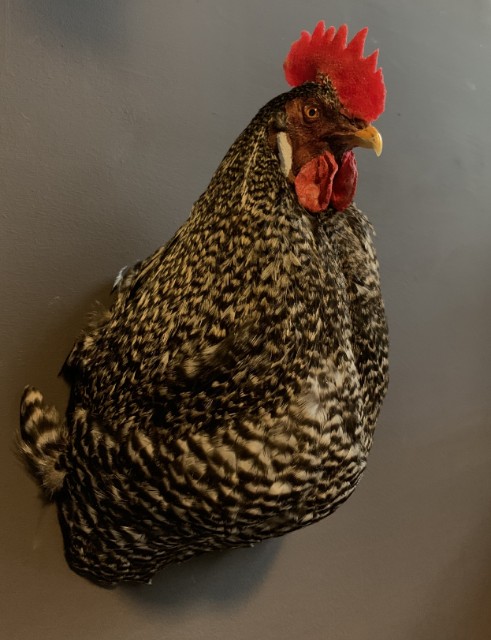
(311, 112)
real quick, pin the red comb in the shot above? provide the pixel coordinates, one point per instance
(357, 81)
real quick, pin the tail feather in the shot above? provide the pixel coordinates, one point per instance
(42, 441)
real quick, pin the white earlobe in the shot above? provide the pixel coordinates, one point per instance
(285, 152)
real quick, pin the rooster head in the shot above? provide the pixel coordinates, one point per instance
(337, 95)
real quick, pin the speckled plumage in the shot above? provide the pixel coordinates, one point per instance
(231, 392)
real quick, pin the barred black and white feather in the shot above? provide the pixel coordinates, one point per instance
(42, 440)
(231, 392)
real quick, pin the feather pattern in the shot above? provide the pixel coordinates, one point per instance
(231, 392)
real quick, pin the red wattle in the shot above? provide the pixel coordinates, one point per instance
(314, 182)
(344, 183)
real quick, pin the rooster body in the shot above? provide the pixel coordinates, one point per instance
(231, 392)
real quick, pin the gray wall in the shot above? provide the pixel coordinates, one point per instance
(113, 115)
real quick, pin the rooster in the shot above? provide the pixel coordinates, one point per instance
(231, 392)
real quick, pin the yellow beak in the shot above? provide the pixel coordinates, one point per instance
(369, 138)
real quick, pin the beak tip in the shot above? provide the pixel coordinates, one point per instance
(370, 138)
(377, 142)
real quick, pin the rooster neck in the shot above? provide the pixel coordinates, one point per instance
(248, 182)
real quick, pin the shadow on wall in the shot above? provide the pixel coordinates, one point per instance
(471, 614)
(58, 337)
(207, 578)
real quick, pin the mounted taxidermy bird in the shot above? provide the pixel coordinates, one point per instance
(231, 392)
